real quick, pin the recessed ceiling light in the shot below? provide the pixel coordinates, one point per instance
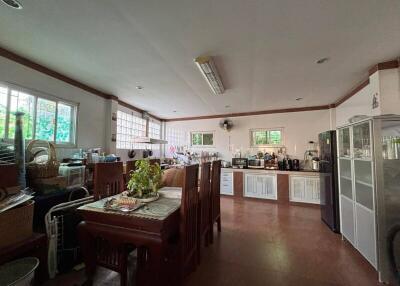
(323, 60)
(12, 3)
(299, 98)
(139, 87)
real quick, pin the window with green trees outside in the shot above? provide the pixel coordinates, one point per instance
(205, 138)
(44, 118)
(266, 137)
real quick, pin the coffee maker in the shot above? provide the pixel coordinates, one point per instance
(310, 157)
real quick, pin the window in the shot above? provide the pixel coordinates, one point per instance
(154, 132)
(266, 137)
(130, 126)
(202, 139)
(176, 138)
(45, 117)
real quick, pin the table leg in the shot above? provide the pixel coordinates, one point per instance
(88, 251)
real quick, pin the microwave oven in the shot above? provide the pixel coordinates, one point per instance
(256, 163)
(239, 163)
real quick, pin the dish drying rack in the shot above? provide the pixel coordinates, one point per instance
(55, 230)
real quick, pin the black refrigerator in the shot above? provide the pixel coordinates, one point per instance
(328, 172)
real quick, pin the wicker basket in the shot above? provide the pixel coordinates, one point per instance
(48, 169)
(16, 224)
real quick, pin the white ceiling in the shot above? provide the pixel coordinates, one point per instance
(265, 50)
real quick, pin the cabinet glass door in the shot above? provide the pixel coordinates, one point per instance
(363, 183)
(344, 142)
(362, 140)
(345, 178)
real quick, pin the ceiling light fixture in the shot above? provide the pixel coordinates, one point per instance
(12, 3)
(139, 87)
(323, 60)
(210, 73)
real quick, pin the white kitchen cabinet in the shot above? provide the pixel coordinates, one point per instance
(260, 185)
(304, 189)
(356, 185)
(226, 183)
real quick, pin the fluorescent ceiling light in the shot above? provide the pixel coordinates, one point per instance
(210, 73)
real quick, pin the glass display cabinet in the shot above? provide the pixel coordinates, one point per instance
(369, 186)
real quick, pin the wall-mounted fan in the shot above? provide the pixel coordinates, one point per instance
(226, 124)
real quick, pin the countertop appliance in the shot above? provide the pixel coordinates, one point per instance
(226, 164)
(240, 163)
(256, 163)
(329, 180)
(296, 165)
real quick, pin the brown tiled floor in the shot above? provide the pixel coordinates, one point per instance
(269, 244)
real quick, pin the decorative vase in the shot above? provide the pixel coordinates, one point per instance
(19, 147)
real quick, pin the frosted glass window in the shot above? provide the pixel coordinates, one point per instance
(129, 127)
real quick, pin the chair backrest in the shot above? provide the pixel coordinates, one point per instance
(205, 197)
(108, 179)
(130, 166)
(215, 189)
(155, 161)
(8, 175)
(189, 209)
(172, 178)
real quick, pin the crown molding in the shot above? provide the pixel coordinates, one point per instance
(393, 64)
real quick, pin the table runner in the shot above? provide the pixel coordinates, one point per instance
(159, 209)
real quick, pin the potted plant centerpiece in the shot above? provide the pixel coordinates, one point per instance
(145, 181)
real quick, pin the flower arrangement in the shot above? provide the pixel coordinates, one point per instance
(145, 180)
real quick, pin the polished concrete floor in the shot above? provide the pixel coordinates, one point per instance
(268, 244)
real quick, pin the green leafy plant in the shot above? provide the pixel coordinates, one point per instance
(145, 180)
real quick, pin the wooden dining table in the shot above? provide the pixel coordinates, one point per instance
(150, 227)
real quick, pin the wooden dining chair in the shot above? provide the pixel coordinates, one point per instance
(155, 161)
(204, 214)
(172, 178)
(8, 175)
(108, 179)
(130, 166)
(188, 223)
(110, 253)
(215, 197)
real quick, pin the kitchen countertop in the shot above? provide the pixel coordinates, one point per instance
(301, 172)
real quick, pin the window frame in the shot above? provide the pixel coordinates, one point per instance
(202, 138)
(253, 145)
(36, 95)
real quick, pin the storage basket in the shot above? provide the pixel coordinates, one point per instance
(48, 169)
(16, 224)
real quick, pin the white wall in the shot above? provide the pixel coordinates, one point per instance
(91, 112)
(299, 128)
(385, 84)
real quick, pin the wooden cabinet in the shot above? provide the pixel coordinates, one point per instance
(304, 189)
(226, 183)
(260, 185)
